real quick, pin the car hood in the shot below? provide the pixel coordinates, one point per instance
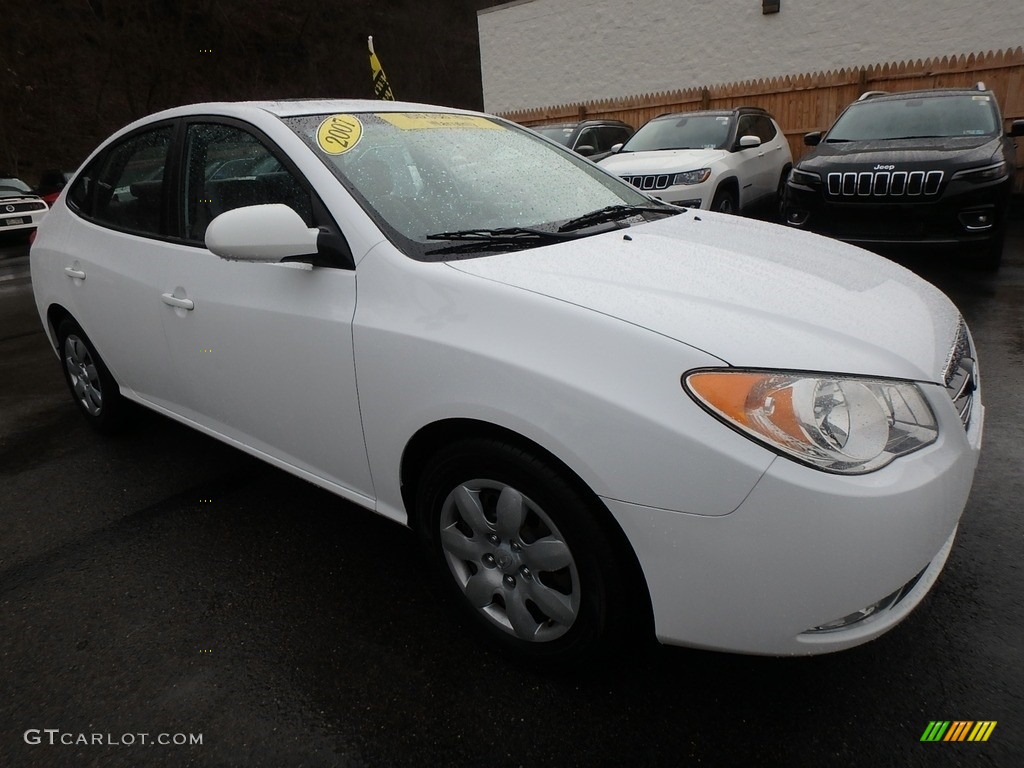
(750, 293)
(965, 151)
(661, 161)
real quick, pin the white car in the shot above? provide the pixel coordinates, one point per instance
(21, 209)
(731, 161)
(601, 413)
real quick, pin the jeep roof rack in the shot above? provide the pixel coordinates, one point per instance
(871, 94)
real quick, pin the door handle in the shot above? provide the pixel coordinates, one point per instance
(72, 272)
(171, 300)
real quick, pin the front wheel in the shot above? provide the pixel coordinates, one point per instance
(780, 198)
(724, 201)
(526, 553)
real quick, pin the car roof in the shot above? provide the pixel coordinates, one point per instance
(876, 96)
(296, 108)
(592, 121)
(716, 112)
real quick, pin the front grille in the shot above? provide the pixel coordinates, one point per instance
(885, 184)
(19, 207)
(660, 181)
(961, 374)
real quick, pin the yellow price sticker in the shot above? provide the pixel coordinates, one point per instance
(339, 133)
(413, 121)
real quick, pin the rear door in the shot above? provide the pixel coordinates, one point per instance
(122, 248)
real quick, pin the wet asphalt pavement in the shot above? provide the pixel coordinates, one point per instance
(162, 583)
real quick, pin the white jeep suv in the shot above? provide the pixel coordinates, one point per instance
(724, 160)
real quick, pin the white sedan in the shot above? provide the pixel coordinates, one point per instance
(601, 413)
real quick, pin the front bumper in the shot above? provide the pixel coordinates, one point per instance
(964, 214)
(805, 549)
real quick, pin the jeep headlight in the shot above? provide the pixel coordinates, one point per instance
(986, 173)
(842, 424)
(804, 178)
(698, 176)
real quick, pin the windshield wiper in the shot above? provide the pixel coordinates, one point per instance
(614, 213)
(507, 238)
(505, 234)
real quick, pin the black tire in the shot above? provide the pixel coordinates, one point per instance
(780, 198)
(92, 387)
(553, 586)
(724, 201)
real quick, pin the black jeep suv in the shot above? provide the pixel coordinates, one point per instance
(929, 167)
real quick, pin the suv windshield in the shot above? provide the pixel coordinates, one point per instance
(917, 117)
(430, 177)
(681, 132)
(559, 133)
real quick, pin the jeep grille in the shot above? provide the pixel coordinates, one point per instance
(885, 184)
(660, 181)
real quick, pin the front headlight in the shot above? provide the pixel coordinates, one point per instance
(804, 178)
(988, 173)
(698, 176)
(839, 424)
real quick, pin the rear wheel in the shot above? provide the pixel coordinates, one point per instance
(92, 387)
(525, 552)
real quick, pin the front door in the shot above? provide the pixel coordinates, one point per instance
(264, 351)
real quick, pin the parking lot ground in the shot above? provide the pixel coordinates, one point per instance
(162, 583)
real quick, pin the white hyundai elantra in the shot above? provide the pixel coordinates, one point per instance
(601, 413)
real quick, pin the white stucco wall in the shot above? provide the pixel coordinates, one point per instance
(537, 53)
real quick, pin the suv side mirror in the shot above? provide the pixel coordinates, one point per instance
(1016, 128)
(812, 139)
(616, 147)
(748, 141)
(586, 150)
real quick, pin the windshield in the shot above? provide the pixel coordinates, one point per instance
(424, 175)
(559, 133)
(681, 132)
(917, 117)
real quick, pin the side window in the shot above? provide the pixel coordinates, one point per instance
(124, 187)
(604, 138)
(588, 136)
(617, 136)
(745, 127)
(765, 129)
(229, 168)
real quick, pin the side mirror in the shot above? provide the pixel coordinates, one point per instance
(586, 150)
(749, 141)
(812, 139)
(616, 147)
(273, 233)
(1016, 128)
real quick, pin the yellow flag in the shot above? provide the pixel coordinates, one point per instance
(381, 89)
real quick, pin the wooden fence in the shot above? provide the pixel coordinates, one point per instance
(810, 102)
